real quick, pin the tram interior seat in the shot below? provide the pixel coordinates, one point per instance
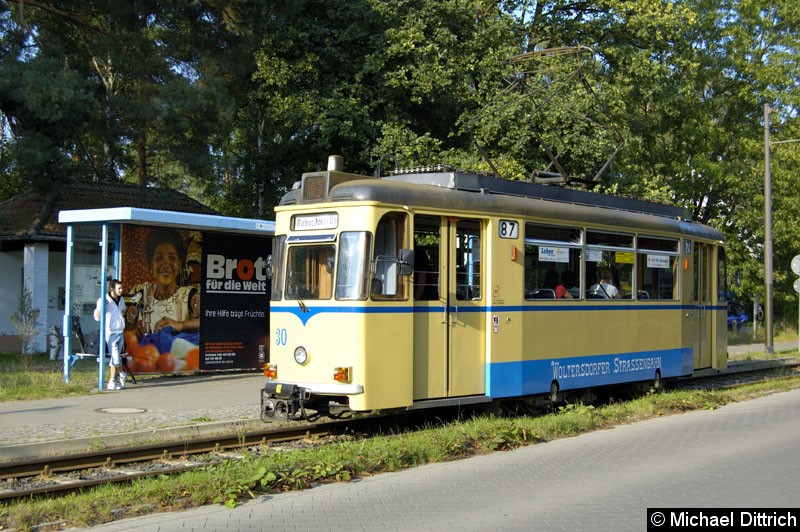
(642, 294)
(467, 292)
(542, 293)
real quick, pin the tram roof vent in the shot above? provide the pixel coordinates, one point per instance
(335, 163)
(316, 187)
(437, 168)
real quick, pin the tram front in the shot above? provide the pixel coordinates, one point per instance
(340, 315)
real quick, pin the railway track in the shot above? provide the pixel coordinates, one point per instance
(57, 475)
(68, 473)
(746, 374)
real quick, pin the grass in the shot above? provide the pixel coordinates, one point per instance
(232, 481)
(780, 333)
(25, 377)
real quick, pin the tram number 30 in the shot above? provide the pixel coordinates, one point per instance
(280, 336)
(508, 229)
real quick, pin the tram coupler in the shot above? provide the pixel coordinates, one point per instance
(282, 402)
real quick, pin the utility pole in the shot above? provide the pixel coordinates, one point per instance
(768, 347)
(768, 343)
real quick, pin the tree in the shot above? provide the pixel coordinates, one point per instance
(26, 321)
(134, 96)
(232, 101)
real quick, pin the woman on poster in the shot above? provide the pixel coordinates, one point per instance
(165, 316)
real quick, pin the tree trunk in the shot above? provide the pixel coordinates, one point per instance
(141, 159)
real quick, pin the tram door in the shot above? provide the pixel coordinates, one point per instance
(449, 330)
(703, 298)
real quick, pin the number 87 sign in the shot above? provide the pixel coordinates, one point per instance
(508, 229)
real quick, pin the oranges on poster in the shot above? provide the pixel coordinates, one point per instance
(145, 358)
(192, 359)
(165, 363)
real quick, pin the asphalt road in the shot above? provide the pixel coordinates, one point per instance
(740, 456)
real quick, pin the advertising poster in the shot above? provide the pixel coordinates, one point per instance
(235, 295)
(174, 324)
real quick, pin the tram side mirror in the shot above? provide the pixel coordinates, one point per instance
(268, 266)
(405, 258)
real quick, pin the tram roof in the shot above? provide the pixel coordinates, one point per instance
(476, 192)
(473, 182)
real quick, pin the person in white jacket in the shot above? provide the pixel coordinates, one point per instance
(115, 326)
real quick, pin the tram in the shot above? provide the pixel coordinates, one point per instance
(433, 287)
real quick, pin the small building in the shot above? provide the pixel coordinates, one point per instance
(33, 244)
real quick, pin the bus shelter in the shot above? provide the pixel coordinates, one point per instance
(195, 287)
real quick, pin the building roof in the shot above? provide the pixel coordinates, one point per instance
(33, 217)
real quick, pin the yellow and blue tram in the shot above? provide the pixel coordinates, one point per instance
(434, 287)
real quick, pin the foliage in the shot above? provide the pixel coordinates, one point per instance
(232, 101)
(25, 320)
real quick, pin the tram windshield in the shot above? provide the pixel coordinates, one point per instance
(351, 265)
(311, 272)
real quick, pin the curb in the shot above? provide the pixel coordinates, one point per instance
(25, 451)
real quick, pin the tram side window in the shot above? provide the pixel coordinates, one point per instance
(278, 245)
(309, 272)
(390, 237)
(353, 269)
(610, 259)
(426, 257)
(468, 259)
(656, 268)
(552, 258)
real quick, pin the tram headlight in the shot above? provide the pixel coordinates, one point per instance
(300, 355)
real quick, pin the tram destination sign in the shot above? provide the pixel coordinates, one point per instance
(311, 222)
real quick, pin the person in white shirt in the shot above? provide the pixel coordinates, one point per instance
(115, 327)
(604, 287)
